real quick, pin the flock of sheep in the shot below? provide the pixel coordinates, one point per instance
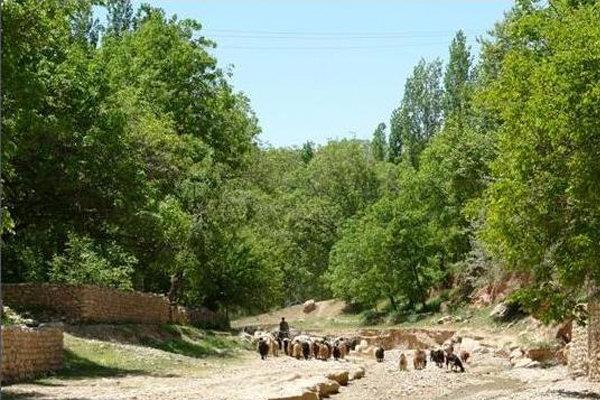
(323, 348)
(303, 346)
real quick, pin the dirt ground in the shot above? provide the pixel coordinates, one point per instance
(487, 377)
(325, 309)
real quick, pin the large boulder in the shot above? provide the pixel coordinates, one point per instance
(358, 373)
(340, 377)
(309, 306)
(327, 388)
(505, 311)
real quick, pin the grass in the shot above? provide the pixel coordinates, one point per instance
(186, 352)
(197, 343)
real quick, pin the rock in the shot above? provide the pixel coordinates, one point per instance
(310, 396)
(543, 354)
(358, 374)
(340, 377)
(309, 306)
(505, 311)
(327, 388)
(307, 395)
(515, 354)
(480, 350)
(526, 362)
(444, 320)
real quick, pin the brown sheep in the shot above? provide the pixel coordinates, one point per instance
(420, 359)
(403, 364)
(323, 352)
(297, 350)
(464, 356)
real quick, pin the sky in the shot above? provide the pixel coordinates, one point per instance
(316, 70)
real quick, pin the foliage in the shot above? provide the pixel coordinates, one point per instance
(419, 115)
(378, 144)
(130, 161)
(541, 211)
(84, 262)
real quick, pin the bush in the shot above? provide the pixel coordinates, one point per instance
(372, 317)
(84, 262)
(434, 304)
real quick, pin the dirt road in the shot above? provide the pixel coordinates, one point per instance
(487, 377)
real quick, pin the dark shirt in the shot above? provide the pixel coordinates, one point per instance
(283, 326)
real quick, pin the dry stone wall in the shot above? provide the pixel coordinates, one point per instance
(593, 341)
(93, 304)
(578, 350)
(30, 352)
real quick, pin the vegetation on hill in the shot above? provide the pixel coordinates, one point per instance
(130, 161)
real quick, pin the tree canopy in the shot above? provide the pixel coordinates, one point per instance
(130, 161)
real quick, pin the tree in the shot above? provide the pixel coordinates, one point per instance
(119, 16)
(387, 254)
(395, 140)
(419, 116)
(378, 143)
(308, 151)
(457, 77)
(541, 210)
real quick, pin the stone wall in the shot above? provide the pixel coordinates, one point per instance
(577, 358)
(105, 305)
(593, 341)
(30, 352)
(93, 304)
(61, 300)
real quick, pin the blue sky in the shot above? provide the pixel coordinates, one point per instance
(326, 69)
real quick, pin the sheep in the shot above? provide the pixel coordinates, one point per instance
(379, 354)
(455, 361)
(306, 350)
(297, 350)
(420, 359)
(337, 354)
(403, 364)
(324, 351)
(437, 356)
(263, 349)
(464, 356)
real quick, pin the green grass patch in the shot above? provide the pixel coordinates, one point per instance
(193, 342)
(180, 353)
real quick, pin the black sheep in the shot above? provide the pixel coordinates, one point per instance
(263, 348)
(438, 357)
(455, 361)
(336, 353)
(305, 350)
(379, 354)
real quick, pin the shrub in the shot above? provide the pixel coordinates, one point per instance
(372, 317)
(84, 262)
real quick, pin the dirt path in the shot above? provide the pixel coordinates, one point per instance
(250, 379)
(487, 377)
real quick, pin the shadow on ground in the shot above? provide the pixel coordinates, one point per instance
(76, 367)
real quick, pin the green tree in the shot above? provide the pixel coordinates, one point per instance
(308, 151)
(541, 210)
(457, 77)
(387, 254)
(419, 116)
(119, 16)
(378, 143)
